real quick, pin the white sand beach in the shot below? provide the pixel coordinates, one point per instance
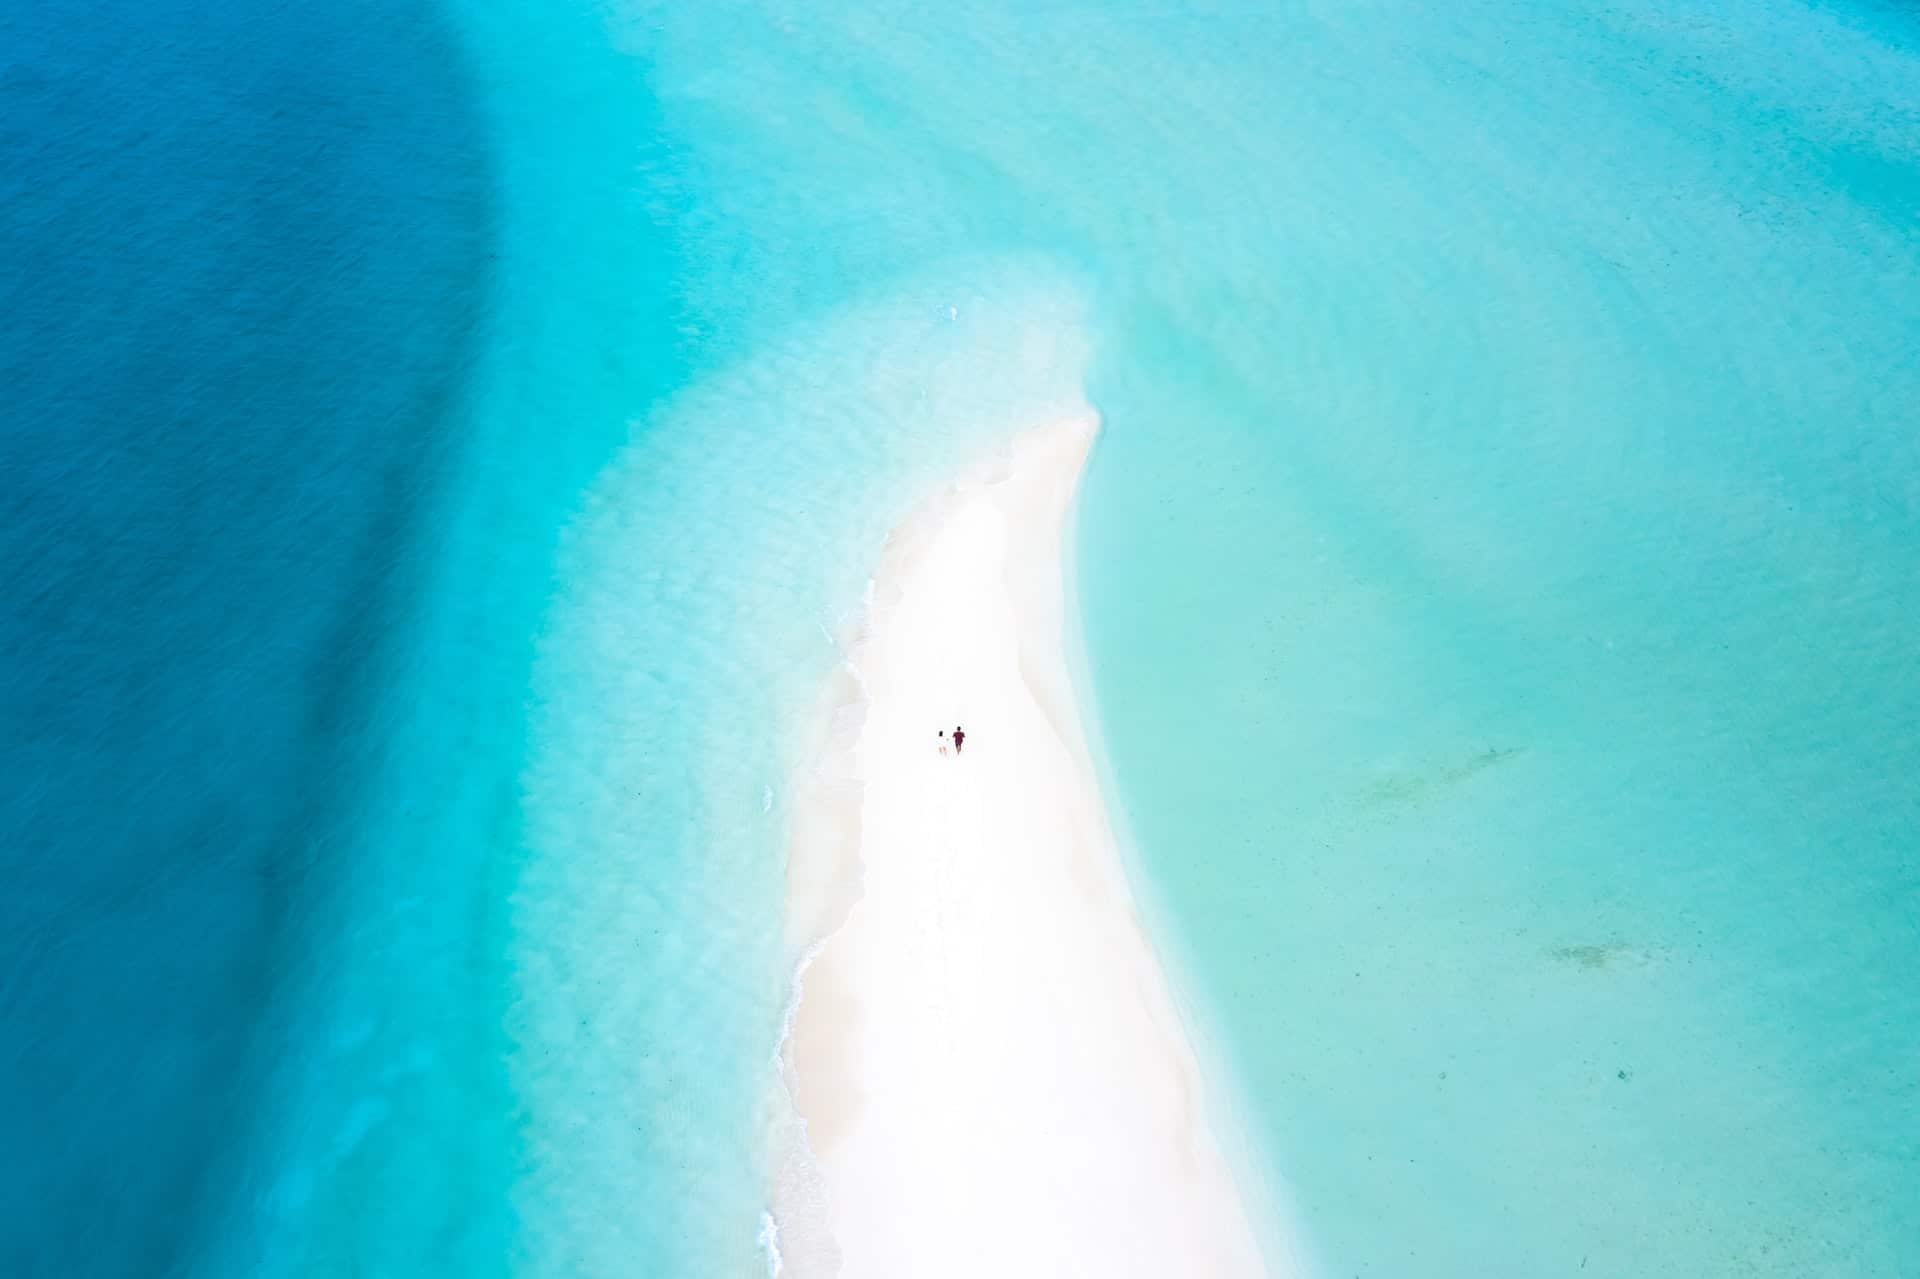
(990, 1063)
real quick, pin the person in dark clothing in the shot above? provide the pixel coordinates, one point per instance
(959, 736)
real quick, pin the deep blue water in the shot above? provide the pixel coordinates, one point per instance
(243, 250)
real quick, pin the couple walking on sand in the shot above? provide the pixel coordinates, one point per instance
(959, 736)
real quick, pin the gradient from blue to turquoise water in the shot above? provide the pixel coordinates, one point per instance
(1497, 578)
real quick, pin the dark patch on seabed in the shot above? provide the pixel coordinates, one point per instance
(1417, 786)
(1584, 956)
(1595, 957)
(245, 257)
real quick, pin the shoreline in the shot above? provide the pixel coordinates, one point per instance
(989, 1070)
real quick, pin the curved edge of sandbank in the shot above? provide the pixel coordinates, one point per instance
(825, 869)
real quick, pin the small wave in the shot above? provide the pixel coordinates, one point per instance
(769, 1240)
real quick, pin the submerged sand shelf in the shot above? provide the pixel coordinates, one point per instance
(992, 1071)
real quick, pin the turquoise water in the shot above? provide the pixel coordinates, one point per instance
(1498, 575)
(1530, 776)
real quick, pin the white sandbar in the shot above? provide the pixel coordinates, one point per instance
(992, 1070)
